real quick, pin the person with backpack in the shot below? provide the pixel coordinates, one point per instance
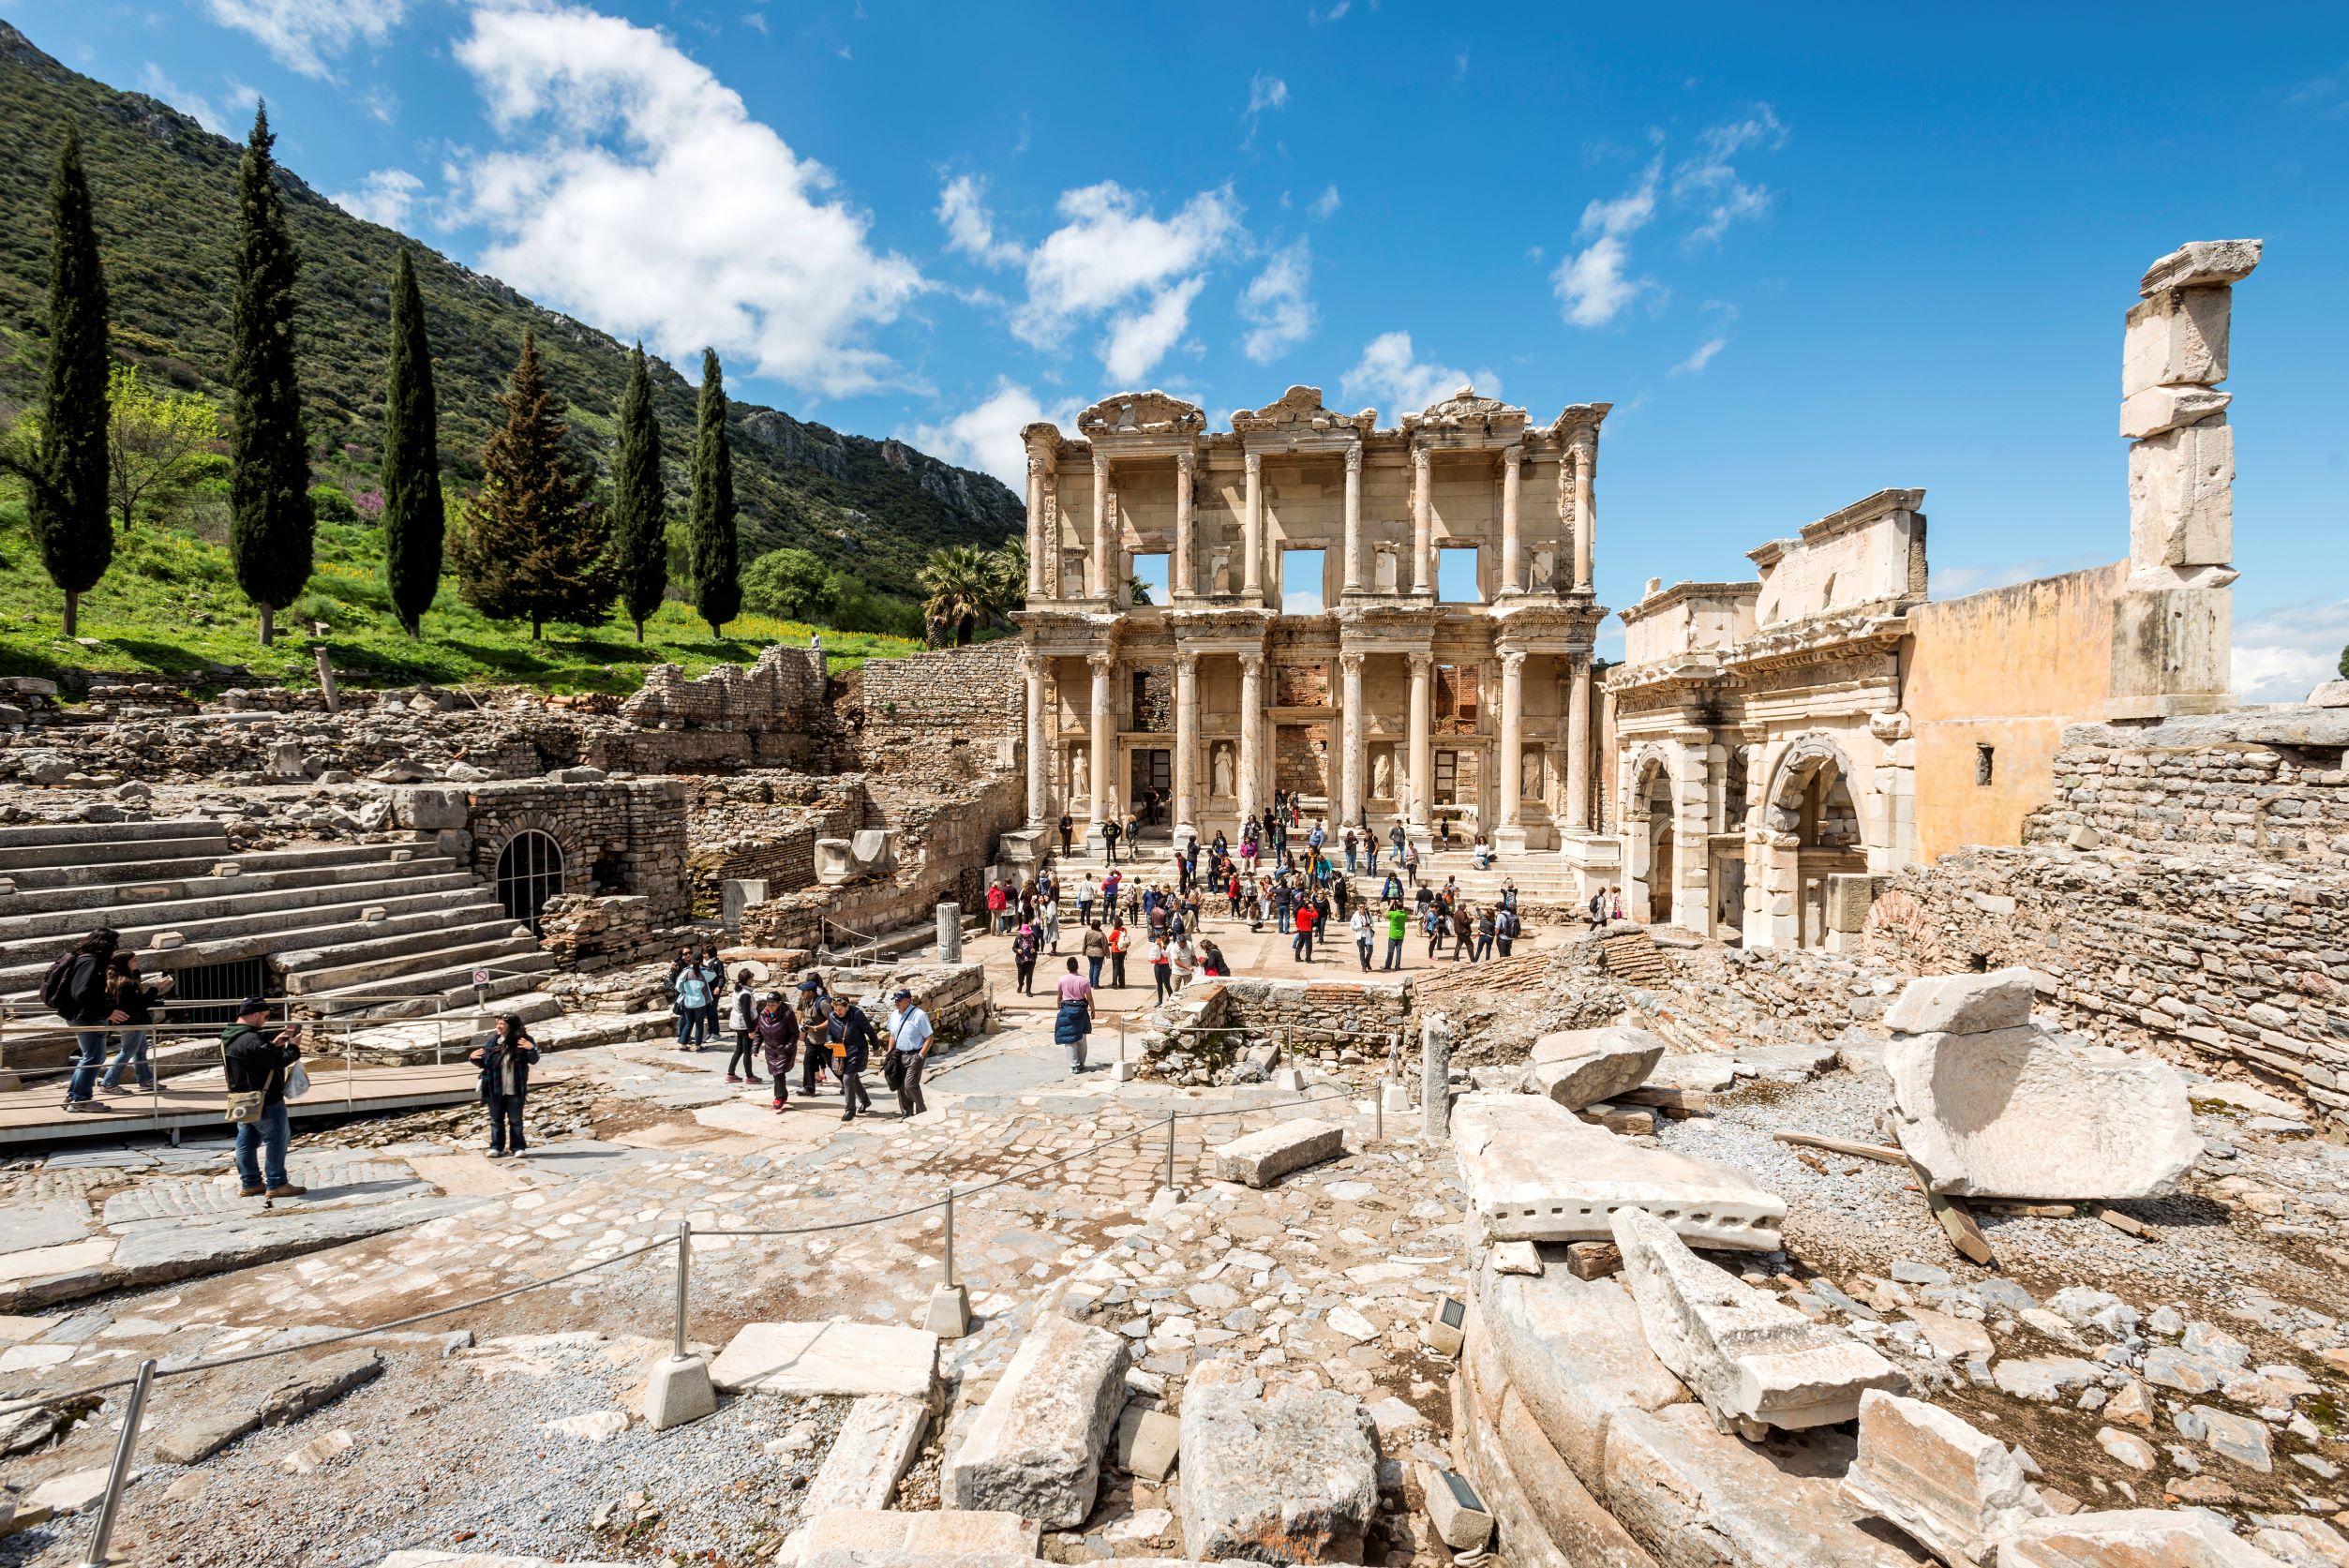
(257, 1064)
(1118, 943)
(743, 1015)
(815, 1021)
(1111, 832)
(505, 1059)
(134, 996)
(75, 990)
(777, 1031)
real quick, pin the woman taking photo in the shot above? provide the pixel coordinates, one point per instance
(505, 1059)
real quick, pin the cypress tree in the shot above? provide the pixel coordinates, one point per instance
(412, 519)
(533, 542)
(709, 546)
(67, 472)
(639, 533)
(271, 522)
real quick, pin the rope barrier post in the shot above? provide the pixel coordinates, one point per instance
(680, 1390)
(118, 1475)
(950, 1302)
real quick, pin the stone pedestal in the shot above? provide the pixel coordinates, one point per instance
(949, 1311)
(738, 894)
(1508, 841)
(949, 934)
(679, 1391)
(1597, 862)
(1022, 850)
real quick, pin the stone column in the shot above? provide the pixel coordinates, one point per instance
(1252, 732)
(1422, 520)
(1511, 478)
(1350, 795)
(1186, 740)
(1252, 529)
(1435, 1078)
(1585, 505)
(1353, 518)
(1185, 581)
(1039, 786)
(1035, 526)
(1578, 743)
(1047, 572)
(1508, 835)
(1422, 739)
(1103, 798)
(1098, 584)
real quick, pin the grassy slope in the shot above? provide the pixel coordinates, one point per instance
(170, 608)
(165, 196)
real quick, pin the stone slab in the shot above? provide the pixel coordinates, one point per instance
(1954, 1489)
(1147, 1443)
(2202, 263)
(878, 1440)
(306, 1387)
(1752, 1359)
(2028, 1114)
(939, 1532)
(2131, 1538)
(1536, 1171)
(1578, 1067)
(1262, 1158)
(1573, 1352)
(26, 1226)
(1963, 1004)
(1037, 1444)
(829, 1357)
(1285, 1479)
(1545, 1513)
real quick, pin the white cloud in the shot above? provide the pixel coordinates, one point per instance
(1276, 303)
(231, 115)
(987, 437)
(1390, 375)
(1332, 13)
(2283, 655)
(1709, 182)
(1265, 92)
(641, 195)
(1694, 363)
(970, 228)
(387, 196)
(1138, 340)
(306, 33)
(1593, 283)
(1326, 203)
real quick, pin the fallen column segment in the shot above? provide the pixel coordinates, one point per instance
(1036, 1446)
(1954, 1490)
(1261, 1158)
(1579, 1067)
(1290, 1478)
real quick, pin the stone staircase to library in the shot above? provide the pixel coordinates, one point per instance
(1542, 878)
(357, 935)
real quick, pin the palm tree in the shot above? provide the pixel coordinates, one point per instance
(1010, 561)
(1137, 591)
(963, 585)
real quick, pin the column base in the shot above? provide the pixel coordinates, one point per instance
(1596, 860)
(949, 1311)
(1185, 836)
(1508, 841)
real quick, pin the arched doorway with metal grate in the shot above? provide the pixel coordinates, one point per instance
(530, 872)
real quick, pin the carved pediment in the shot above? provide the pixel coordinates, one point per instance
(1153, 413)
(1300, 408)
(1466, 409)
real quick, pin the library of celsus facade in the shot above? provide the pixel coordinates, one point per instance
(1393, 624)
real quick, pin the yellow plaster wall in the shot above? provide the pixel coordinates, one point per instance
(2008, 668)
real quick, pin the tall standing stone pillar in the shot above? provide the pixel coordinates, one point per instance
(1579, 743)
(1350, 793)
(1353, 518)
(1422, 741)
(1509, 837)
(1038, 775)
(1422, 520)
(1186, 744)
(1512, 482)
(1252, 735)
(1186, 580)
(1252, 529)
(1435, 1078)
(1035, 526)
(2172, 620)
(1103, 801)
(1585, 505)
(1099, 584)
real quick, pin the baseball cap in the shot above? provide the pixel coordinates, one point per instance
(254, 1004)
(901, 994)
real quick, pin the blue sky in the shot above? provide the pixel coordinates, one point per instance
(1804, 259)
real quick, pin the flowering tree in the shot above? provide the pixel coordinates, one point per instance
(151, 442)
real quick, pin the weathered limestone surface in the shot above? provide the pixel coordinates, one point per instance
(1955, 1490)
(1545, 1512)
(1291, 1478)
(2027, 1113)
(1262, 1158)
(1036, 1446)
(2133, 1538)
(1696, 1498)
(1572, 1350)
(877, 1441)
(305, 1388)
(1583, 1066)
(943, 1531)
(1752, 1359)
(828, 1358)
(1963, 1004)
(1536, 1171)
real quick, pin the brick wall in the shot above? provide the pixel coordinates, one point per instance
(947, 718)
(617, 835)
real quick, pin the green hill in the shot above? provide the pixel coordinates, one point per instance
(165, 191)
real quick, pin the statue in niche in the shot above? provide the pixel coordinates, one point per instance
(1545, 568)
(1530, 774)
(1080, 774)
(1219, 571)
(1072, 577)
(1384, 570)
(1383, 773)
(1220, 769)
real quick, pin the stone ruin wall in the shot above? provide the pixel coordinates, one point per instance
(618, 836)
(1198, 1034)
(945, 718)
(763, 827)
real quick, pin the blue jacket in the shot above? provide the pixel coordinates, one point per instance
(1073, 1024)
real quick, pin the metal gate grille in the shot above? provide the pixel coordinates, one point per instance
(530, 872)
(224, 984)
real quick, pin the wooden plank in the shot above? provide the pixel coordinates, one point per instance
(1956, 1223)
(2031, 1211)
(1668, 1099)
(2127, 1224)
(200, 1100)
(1844, 1146)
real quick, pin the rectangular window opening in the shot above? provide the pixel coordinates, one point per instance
(1455, 579)
(1301, 582)
(1986, 760)
(1149, 574)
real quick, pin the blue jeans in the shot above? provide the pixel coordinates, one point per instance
(1093, 973)
(263, 1140)
(1394, 952)
(89, 1055)
(133, 1055)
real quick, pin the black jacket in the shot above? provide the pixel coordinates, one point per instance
(86, 1001)
(256, 1062)
(493, 1055)
(854, 1032)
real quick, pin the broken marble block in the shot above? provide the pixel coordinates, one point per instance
(1753, 1360)
(1579, 1067)
(1285, 1479)
(1262, 1157)
(1954, 1490)
(2026, 1112)
(1536, 1171)
(1963, 1004)
(2133, 1538)
(1035, 1446)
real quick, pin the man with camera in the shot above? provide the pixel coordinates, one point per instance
(257, 1064)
